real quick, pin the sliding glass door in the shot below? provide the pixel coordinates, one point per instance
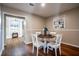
(13, 24)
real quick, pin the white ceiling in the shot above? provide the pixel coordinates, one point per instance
(48, 10)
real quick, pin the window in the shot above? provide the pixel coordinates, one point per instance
(14, 25)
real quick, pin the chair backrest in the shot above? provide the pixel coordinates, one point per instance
(53, 33)
(37, 33)
(37, 38)
(33, 38)
(58, 38)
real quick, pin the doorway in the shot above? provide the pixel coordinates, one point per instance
(13, 24)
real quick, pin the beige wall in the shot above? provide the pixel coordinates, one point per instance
(71, 31)
(33, 23)
(49, 23)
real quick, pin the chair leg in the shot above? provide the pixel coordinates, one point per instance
(33, 49)
(60, 50)
(44, 49)
(55, 51)
(37, 51)
(47, 49)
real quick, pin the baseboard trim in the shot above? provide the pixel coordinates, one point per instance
(28, 42)
(70, 44)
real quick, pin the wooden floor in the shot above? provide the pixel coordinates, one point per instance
(26, 50)
(68, 50)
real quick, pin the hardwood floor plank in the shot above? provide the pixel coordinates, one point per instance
(26, 50)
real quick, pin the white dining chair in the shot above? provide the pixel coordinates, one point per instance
(45, 44)
(36, 43)
(55, 45)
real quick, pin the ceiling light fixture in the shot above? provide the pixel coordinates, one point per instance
(43, 4)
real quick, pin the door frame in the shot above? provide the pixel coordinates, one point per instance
(6, 14)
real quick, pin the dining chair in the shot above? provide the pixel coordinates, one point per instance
(45, 44)
(55, 45)
(36, 43)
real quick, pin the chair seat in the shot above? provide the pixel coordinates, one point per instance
(40, 44)
(52, 44)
